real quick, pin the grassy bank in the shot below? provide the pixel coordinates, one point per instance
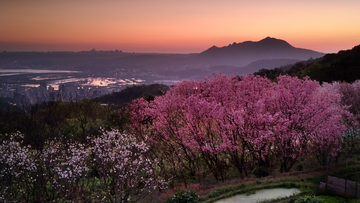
(306, 186)
(306, 181)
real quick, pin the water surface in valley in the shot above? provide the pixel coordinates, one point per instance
(260, 195)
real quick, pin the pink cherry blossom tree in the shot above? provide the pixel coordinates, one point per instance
(184, 123)
(242, 122)
(246, 120)
(350, 99)
(350, 96)
(309, 120)
(164, 121)
(210, 119)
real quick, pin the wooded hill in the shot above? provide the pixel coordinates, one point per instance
(343, 66)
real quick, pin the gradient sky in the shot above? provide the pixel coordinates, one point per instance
(175, 26)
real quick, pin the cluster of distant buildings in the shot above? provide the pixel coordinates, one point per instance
(23, 95)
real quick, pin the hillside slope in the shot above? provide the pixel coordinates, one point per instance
(342, 66)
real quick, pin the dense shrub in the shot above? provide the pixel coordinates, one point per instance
(300, 167)
(261, 172)
(309, 199)
(183, 196)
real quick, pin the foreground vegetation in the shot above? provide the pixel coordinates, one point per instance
(199, 132)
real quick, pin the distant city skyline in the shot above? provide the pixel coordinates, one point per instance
(163, 26)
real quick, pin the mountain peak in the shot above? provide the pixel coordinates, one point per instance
(266, 43)
(269, 38)
(270, 41)
(243, 53)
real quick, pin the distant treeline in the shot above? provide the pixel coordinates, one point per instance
(343, 66)
(71, 120)
(130, 93)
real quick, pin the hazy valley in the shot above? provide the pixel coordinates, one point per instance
(112, 71)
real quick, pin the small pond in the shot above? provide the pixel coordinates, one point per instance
(260, 195)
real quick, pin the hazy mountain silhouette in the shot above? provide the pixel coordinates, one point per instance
(242, 54)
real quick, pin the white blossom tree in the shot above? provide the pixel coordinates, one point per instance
(60, 171)
(64, 166)
(17, 169)
(125, 171)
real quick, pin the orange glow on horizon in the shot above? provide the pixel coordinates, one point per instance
(175, 26)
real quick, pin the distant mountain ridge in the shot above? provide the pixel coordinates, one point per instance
(244, 53)
(235, 59)
(266, 43)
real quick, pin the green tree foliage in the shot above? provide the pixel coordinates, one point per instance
(308, 199)
(343, 66)
(270, 73)
(68, 121)
(71, 120)
(313, 71)
(10, 117)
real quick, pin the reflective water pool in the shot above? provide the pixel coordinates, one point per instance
(264, 194)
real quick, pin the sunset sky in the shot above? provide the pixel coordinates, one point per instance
(175, 26)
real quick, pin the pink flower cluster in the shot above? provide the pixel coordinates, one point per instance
(244, 122)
